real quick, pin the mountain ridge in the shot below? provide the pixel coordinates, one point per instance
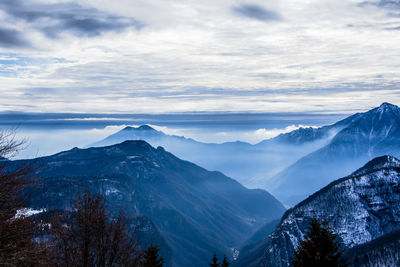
(369, 135)
(195, 210)
(360, 207)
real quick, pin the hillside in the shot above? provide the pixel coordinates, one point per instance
(196, 211)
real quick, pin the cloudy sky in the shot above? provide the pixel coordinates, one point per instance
(155, 56)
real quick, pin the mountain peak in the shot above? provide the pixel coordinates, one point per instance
(378, 163)
(385, 106)
(144, 127)
(133, 144)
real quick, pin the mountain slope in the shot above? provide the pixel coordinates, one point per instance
(197, 211)
(383, 251)
(368, 135)
(359, 208)
(252, 251)
(144, 132)
(303, 136)
(249, 164)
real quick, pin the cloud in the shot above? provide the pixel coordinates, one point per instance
(250, 136)
(263, 133)
(198, 56)
(12, 38)
(388, 4)
(392, 4)
(393, 28)
(54, 19)
(256, 12)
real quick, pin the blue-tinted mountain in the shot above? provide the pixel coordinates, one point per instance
(196, 211)
(252, 251)
(359, 208)
(144, 132)
(247, 163)
(368, 135)
(307, 135)
(383, 251)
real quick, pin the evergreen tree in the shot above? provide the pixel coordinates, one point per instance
(214, 261)
(225, 262)
(151, 257)
(319, 248)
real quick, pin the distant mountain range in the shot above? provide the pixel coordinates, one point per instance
(192, 212)
(249, 164)
(363, 209)
(362, 137)
(189, 211)
(292, 165)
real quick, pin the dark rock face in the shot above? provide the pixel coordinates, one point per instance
(196, 211)
(366, 136)
(359, 208)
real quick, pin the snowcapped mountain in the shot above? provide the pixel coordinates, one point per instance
(359, 208)
(196, 211)
(362, 137)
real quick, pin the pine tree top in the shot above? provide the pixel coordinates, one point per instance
(151, 257)
(215, 262)
(225, 262)
(319, 248)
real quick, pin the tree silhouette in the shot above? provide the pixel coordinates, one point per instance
(17, 228)
(215, 262)
(151, 257)
(319, 248)
(88, 236)
(225, 262)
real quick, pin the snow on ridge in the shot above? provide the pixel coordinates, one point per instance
(27, 212)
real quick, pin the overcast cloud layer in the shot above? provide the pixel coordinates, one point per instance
(152, 56)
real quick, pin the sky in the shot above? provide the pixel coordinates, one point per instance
(171, 56)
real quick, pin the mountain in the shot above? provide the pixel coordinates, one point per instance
(144, 132)
(359, 208)
(291, 165)
(196, 211)
(366, 135)
(247, 163)
(304, 136)
(252, 251)
(383, 251)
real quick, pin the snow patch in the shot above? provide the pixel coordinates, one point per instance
(27, 212)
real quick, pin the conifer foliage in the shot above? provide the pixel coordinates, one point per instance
(225, 262)
(151, 257)
(319, 248)
(214, 262)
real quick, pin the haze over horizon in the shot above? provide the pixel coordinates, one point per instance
(96, 56)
